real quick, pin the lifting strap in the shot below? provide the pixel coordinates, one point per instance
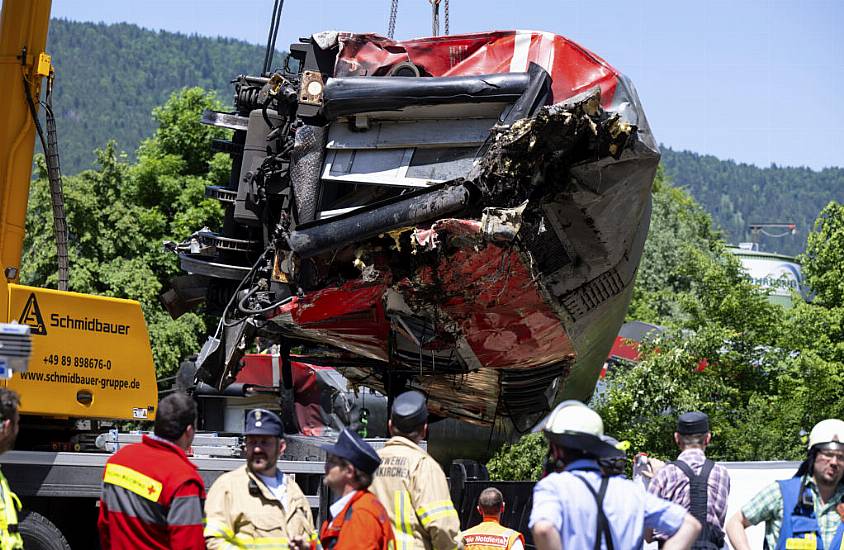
(602, 529)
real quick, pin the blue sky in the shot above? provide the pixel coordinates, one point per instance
(757, 81)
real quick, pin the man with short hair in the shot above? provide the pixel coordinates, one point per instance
(806, 511)
(257, 504)
(10, 538)
(411, 485)
(695, 482)
(357, 520)
(489, 533)
(152, 494)
(576, 506)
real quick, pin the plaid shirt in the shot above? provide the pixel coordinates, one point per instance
(767, 506)
(672, 484)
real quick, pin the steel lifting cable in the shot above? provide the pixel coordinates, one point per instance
(271, 38)
(435, 18)
(54, 176)
(391, 24)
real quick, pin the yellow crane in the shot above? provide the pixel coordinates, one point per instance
(91, 356)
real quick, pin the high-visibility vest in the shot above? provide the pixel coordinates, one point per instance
(800, 529)
(490, 535)
(10, 538)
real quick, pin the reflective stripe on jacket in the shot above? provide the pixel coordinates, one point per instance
(363, 524)
(10, 538)
(490, 535)
(239, 519)
(152, 499)
(413, 489)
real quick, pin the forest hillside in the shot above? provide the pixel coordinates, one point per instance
(111, 76)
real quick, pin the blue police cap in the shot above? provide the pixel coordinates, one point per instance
(263, 422)
(693, 423)
(410, 411)
(353, 448)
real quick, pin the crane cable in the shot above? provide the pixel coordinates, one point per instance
(275, 23)
(435, 23)
(391, 25)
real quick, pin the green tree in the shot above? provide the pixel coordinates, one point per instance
(677, 224)
(822, 262)
(120, 214)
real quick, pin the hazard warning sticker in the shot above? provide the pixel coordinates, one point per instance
(31, 316)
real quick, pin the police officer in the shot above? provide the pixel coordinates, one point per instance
(357, 520)
(152, 494)
(10, 538)
(411, 485)
(489, 534)
(576, 506)
(257, 504)
(805, 511)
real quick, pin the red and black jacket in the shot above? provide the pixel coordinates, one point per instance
(152, 498)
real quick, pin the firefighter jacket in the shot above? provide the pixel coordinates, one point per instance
(412, 487)
(243, 513)
(491, 535)
(10, 538)
(152, 498)
(363, 524)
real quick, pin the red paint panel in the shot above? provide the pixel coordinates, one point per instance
(352, 313)
(257, 369)
(492, 296)
(625, 348)
(573, 69)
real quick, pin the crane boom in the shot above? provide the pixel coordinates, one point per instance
(23, 38)
(91, 356)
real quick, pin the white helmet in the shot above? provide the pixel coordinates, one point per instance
(827, 431)
(573, 417)
(574, 425)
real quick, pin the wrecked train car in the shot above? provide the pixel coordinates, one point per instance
(463, 215)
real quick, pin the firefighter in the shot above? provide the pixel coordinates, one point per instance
(577, 506)
(806, 511)
(10, 538)
(257, 504)
(152, 494)
(357, 520)
(490, 534)
(411, 485)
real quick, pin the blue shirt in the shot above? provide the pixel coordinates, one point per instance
(566, 503)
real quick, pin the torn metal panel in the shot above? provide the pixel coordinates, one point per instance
(472, 232)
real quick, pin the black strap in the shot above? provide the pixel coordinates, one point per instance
(699, 502)
(698, 488)
(602, 529)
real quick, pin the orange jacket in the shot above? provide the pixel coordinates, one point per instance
(363, 524)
